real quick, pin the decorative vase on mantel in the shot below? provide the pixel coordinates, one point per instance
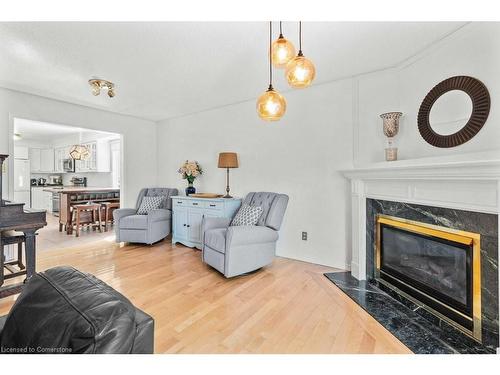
(391, 129)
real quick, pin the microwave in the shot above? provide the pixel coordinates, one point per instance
(69, 165)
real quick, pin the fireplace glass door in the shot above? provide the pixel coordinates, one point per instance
(433, 265)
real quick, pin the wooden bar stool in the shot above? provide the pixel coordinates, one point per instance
(109, 207)
(12, 238)
(88, 213)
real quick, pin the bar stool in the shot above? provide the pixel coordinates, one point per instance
(88, 209)
(11, 238)
(109, 207)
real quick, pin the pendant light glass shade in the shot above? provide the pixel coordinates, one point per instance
(282, 52)
(271, 105)
(300, 72)
(79, 152)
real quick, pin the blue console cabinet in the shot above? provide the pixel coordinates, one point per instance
(188, 213)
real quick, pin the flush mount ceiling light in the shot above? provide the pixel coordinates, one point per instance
(282, 51)
(17, 137)
(100, 84)
(79, 152)
(300, 72)
(271, 105)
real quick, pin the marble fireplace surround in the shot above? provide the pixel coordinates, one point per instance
(437, 193)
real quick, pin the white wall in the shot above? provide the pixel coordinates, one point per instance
(474, 50)
(299, 156)
(139, 146)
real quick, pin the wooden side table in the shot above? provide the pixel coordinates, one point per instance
(94, 209)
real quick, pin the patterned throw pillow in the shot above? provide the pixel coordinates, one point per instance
(149, 204)
(247, 215)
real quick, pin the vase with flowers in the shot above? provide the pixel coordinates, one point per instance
(189, 171)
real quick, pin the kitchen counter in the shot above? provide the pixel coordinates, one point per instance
(80, 189)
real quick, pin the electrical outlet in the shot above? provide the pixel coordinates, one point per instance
(304, 236)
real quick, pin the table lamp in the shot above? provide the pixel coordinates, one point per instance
(228, 160)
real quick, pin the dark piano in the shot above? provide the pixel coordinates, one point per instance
(14, 217)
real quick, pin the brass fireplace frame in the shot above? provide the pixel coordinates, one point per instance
(463, 237)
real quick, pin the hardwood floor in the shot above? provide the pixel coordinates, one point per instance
(288, 307)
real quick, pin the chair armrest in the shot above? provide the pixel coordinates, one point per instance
(214, 223)
(249, 234)
(122, 212)
(159, 214)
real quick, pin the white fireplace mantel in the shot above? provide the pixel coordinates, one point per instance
(465, 185)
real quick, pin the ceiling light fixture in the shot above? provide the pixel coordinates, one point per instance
(282, 51)
(17, 137)
(300, 72)
(271, 105)
(100, 84)
(79, 152)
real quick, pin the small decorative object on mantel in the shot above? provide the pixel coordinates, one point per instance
(391, 129)
(190, 170)
(228, 160)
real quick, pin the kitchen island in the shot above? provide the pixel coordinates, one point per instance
(70, 196)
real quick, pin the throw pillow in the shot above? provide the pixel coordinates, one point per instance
(150, 204)
(247, 215)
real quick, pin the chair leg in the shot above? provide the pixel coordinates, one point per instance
(77, 223)
(20, 255)
(99, 218)
(106, 213)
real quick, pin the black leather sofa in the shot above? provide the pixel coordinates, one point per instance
(63, 310)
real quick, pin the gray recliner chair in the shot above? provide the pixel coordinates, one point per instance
(150, 228)
(236, 250)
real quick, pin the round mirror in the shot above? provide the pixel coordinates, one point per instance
(450, 112)
(454, 111)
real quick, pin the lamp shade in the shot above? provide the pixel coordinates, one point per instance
(228, 160)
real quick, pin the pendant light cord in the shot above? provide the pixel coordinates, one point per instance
(270, 55)
(281, 31)
(300, 38)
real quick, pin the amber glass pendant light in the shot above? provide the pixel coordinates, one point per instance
(282, 51)
(300, 71)
(271, 105)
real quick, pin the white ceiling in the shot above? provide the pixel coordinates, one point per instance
(164, 70)
(43, 131)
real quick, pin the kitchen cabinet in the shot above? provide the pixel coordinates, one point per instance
(35, 159)
(40, 199)
(42, 160)
(188, 214)
(47, 160)
(60, 154)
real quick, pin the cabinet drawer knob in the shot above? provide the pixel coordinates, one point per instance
(188, 226)
(179, 202)
(212, 205)
(185, 224)
(195, 204)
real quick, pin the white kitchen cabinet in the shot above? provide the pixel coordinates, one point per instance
(60, 153)
(35, 159)
(40, 199)
(47, 160)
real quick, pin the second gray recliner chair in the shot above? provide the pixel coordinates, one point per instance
(235, 250)
(150, 228)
